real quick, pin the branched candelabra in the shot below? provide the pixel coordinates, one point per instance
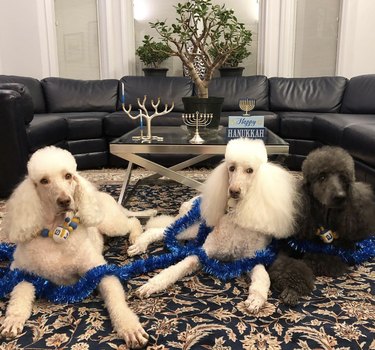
(197, 120)
(247, 104)
(144, 113)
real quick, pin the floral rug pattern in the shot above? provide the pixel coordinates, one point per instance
(202, 312)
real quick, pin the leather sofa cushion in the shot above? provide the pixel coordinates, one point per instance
(25, 101)
(33, 87)
(117, 124)
(82, 125)
(271, 120)
(296, 125)
(359, 140)
(302, 147)
(359, 96)
(328, 128)
(88, 146)
(71, 95)
(45, 131)
(169, 89)
(234, 88)
(321, 94)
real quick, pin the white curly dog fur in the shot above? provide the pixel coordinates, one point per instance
(51, 190)
(248, 201)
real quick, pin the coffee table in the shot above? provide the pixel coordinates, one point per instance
(176, 141)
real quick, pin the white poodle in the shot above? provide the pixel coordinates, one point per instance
(248, 201)
(42, 218)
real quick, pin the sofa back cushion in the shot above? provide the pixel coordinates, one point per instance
(234, 88)
(359, 96)
(33, 88)
(320, 94)
(169, 89)
(71, 95)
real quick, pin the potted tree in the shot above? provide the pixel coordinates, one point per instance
(231, 65)
(152, 54)
(201, 27)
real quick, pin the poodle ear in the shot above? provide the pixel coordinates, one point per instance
(271, 207)
(87, 202)
(215, 195)
(23, 219)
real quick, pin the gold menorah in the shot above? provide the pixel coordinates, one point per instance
(197, 120)
(247, 104)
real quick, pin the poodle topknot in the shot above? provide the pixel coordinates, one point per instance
(246, 151)
(49, 159)
(326, 160)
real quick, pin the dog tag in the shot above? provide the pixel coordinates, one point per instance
(60, 234)
(327, 236)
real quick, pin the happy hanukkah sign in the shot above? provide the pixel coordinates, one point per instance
(251, 127)
(247, 125)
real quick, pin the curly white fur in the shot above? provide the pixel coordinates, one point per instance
(248, 201)
(52, 189)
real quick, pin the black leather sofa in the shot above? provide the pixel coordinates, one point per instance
(84, 116)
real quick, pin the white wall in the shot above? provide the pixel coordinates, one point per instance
(356, 54)
(25, 45)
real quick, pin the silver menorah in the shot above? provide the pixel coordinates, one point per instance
(246, 104)
(197, 120)
(144, 113)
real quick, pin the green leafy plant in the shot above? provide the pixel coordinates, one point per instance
(201, 27)
(152, 53)
(235, 58)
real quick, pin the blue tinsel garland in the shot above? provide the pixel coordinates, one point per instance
(365, 249)
(178, 251)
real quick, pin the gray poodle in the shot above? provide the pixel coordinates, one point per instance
(335, 210)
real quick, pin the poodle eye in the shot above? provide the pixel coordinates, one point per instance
(44, 181)
(322, 177)
(249, 170)
(68, 176)
(232, 168)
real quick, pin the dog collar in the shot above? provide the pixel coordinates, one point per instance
(326, 235)
(61, 233)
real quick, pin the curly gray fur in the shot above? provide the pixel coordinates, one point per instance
(331, 198)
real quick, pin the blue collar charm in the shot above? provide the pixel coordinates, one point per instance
(326, 235)
(61, 233)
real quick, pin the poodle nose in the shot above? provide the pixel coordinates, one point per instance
(63, 202)
(339, 198)
(235, 193)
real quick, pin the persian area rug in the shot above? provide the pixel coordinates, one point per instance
(202, 312)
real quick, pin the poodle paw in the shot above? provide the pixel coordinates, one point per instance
(137, 248)
(255, 301)
(134, 235)
(147, 289)
(289, 296)
(134, 335)
(12, 326)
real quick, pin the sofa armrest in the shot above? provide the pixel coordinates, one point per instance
(13, 140)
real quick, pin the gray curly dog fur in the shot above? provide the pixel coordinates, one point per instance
(331, 198)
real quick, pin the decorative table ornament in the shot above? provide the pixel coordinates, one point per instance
(197, 120)
(144, 113)
(246, 104)
(251, 127)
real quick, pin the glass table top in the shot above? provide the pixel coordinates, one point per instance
(179, 135)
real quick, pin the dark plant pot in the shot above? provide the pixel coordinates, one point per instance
(231, 71)
(193, 104)
(155, 72)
